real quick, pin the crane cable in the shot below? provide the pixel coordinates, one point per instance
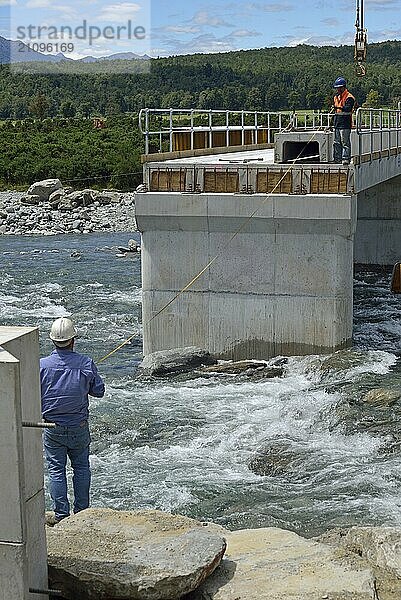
(361, 40)
(209, 264)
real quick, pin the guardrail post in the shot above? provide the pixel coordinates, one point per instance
(192, 129)
(171, 129)
(146, 131)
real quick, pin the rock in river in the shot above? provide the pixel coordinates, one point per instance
(178, 360)
(148, 555)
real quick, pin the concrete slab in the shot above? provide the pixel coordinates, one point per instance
(265, 154)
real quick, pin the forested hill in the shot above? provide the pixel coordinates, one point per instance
(265, 79)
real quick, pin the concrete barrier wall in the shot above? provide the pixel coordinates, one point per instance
(283, 285)
(23, 553)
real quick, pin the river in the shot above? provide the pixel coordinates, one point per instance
(186, 444)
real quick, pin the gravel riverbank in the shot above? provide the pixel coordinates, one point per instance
(86, 212)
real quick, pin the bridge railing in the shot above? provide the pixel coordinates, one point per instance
(379, 131)
(171, 129)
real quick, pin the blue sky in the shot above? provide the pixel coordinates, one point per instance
(188, 26)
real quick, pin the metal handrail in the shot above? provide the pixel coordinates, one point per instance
(379, 124)
(172, 120)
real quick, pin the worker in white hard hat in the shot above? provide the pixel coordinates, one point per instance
(67, 378)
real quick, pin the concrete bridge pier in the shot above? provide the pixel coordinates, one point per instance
(281, 282)
(378, 232)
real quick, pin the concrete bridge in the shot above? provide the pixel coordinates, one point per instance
(256, 199)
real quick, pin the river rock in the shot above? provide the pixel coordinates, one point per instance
(45, 188)
(31, 200)
(273, 564)
(108, 197)
(246, 366)
(82, 198)
(56, 197)
(146, 555)
(278, 458)
(380, 548)
(382, 397)
(178, 360)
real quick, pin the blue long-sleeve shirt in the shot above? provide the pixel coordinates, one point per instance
(66, 379)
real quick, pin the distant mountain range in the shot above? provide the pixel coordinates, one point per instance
(18, 52)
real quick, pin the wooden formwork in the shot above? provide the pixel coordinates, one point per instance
(185, 140)
(269, 181)
(168, 180)
(325, 181)
(249, 179)
(225, 182)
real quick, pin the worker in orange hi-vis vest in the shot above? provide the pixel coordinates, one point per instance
(344, 104)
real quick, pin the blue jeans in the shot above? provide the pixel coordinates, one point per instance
(73, 442)
(342, 145)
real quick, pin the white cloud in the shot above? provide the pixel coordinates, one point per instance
(269, 7)
(330, 22)
(39, 4)
(241, 33)
(179, 29)
(320, 40)
(205, 43)
(382, 4)
(384, 35)
(202, 17)
(119, 13)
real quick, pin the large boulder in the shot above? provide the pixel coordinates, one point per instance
(83, 197)
(146, 555)
(380, 548)
(178, 360)
(44, 189)
(273, 564)
(56, 197)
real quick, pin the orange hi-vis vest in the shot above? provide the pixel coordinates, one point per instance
(339, 101)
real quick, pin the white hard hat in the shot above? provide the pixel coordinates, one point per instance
(62, 331)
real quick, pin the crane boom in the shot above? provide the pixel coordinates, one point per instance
(361, 40)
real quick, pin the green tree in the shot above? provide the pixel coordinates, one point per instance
(67, 109)
(39, 106)
(373, 99)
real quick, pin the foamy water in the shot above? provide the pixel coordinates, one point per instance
(188, 444)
